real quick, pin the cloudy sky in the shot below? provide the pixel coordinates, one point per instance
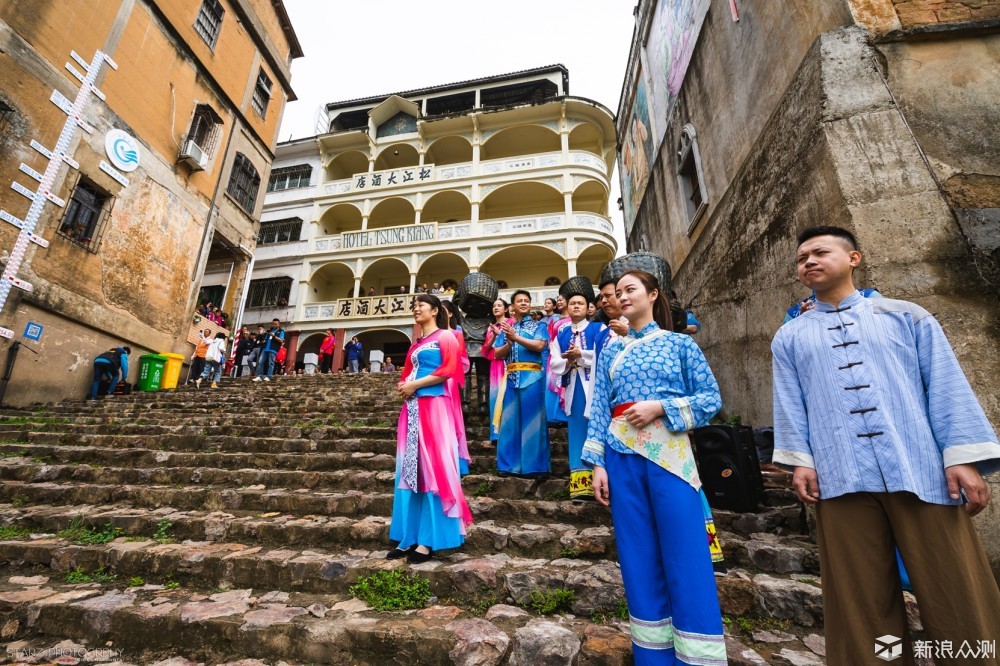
(361, 48)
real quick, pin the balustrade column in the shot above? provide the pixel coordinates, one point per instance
(300, 302)
(364, 222)
(475, 213)
(413, 282)
(568, 201)
(357, 287)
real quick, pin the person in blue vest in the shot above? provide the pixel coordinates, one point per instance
(273, 339)
(108, 366)
(355, 352)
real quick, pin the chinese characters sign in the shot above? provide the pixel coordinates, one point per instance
(393, 177)
(392, 236)
(374, 306)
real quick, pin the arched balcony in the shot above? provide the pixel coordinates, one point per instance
(520, 140)
(443, 267)
(340, 218)
(397, 156)
(330, 282)
(347, 164)
(393, 212)
(449, 150)
(521, 198)
(593, 260)
(525, 266)
(590, 196)
(447, 206)
(386, 276)
(586, 136)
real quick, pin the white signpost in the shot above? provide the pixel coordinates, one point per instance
(74, 110)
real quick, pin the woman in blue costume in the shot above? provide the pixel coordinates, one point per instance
(651, 388)
(429, 511)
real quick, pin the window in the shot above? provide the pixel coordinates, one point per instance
(288, 178)
(269, 293)
(209, 21)
(280, 231)
(690, 176)
(204, 127)
(244, 182)
(85, 213)
(261, 93)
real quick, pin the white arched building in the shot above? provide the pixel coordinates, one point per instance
(508, 175)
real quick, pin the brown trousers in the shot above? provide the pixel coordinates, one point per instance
(862, 593)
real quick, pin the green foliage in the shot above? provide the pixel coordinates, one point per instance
(558, 495)
(619, 611)
(392, 590)
(79, 533)
(136, 581)
(77, 576)
(547, 602)
(568, 552)
(14, 454)
(18, 501)
(171, 585)
(483, 489)
(162, 533)
(8, 532)
(732, 419)
(747, 624)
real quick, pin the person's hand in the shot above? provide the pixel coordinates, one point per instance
(619, 327)
(968, 478)
(643, 413)
(806, 305)
(573, 354)
(806, 484)
(691, 329)
(602, 489)
(407, 389)
(508, 330)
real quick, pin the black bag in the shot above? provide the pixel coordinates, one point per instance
(123, 388)
(729, 467)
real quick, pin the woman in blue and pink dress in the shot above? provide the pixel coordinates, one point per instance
(429, 511)
(456, 385)
(498, 366)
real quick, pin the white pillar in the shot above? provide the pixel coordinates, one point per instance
(413, 282)
(357, 287)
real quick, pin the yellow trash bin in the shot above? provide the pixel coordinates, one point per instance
(172, 371)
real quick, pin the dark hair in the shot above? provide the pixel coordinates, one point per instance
(838, 232)
(454, 319)
(128, 350)
(220, 334)
(520, 291)
(430, 299)
(550, 299)
(661, 306)
(604, 284)
(275, 320)
(505, 306)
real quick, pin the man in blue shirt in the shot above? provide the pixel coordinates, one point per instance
(354, 354)
(107, 366)
(273, 338)
(889, 443)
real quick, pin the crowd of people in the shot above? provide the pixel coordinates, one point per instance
(872, 413)
(214, 314)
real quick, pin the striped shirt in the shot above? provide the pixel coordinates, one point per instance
(870, 395)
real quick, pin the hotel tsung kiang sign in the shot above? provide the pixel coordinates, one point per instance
(413, 233)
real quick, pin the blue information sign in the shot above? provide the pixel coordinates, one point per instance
(33, 331)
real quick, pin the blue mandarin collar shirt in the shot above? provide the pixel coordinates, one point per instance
(869, 394)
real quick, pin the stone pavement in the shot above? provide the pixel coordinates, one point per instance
(244, 514)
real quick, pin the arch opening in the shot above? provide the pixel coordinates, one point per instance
(394, 212)
(449, 150)
(525, 266)
(346, 164)
(397, 156)
(444, 268)
(449, 206)
(340, 218)
(591, 197)
(520, 140)
(385, 276)
(521, 198)
(330, 282)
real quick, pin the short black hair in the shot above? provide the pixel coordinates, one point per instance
(520, 291)
(827, 230)
(601, 286)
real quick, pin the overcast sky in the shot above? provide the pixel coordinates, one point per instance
(370, 47)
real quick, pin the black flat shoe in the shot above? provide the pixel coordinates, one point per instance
(416, 557)
(396, 553)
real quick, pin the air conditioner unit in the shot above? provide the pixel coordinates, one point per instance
(192, 155)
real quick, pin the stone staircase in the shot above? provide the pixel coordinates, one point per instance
(227, 526)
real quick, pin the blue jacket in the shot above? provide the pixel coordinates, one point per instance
(117, 358)
(354, 351)
(273, 340)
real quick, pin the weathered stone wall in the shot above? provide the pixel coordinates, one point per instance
(913, 13)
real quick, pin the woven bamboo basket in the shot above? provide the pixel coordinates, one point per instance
(643, 261)
(577, 285)
(475, 294)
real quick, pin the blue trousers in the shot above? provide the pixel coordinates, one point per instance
(104, 369)
(673, 603)
(577, 428)
(523, 447)
(266, 368)
(212, 369)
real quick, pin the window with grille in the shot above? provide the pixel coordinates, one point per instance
(279, 231)
(261, 93)
(209, 21)
(244, 182)
(269, 293)
(85, 214)
(288, 178)
(690, 177)
(204, 128)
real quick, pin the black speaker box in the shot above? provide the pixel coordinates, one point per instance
(729, 467)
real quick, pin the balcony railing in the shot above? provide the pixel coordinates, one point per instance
(434, 231)
(430, 173)
(395, 305)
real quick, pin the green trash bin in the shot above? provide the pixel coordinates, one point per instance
(151, 371)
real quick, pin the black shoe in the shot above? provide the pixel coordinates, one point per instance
(503, 475)
(416, 557)
(538, 476)
(397, 554)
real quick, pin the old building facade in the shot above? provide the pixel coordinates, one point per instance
(200, 87)
(747, 122)
(507, 175)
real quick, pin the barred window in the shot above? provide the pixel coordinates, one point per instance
(289, 178)
(85, 214)
(205, 126)
(244, 183)
(690, 176)
(261, 93)
(209, 21)
(269, 293)
(280, 231)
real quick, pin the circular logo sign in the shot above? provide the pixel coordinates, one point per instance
(122, 150)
